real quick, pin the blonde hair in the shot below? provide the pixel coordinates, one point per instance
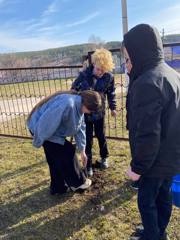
(102, 58)
(90, 99)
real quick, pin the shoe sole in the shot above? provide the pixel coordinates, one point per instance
(83, 186)
(135, 188)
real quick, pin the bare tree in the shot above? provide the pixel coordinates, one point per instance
(96, 40)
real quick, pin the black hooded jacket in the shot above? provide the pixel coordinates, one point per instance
(153, 106)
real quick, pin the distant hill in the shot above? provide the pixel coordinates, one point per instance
(173, 38)
(70, 55)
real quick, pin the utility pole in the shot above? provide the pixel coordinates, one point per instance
(163, 34)
(124, 16)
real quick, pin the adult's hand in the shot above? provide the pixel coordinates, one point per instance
(132, 175)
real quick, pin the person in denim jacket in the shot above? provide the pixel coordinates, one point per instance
(98, 77)
(54, 118)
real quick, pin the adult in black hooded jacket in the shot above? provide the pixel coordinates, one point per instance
(153, 119)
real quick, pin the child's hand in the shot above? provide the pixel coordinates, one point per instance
(113, 113)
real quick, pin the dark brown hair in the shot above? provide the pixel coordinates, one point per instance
(90, 99)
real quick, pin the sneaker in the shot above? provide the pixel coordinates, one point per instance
(135, 185)
(84, 186)
(90, 172)
(103, 163)
(139, 230)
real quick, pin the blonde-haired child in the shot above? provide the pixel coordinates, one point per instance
(98, 77)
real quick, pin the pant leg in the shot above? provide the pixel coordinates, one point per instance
(99, 127)
(147, 194)
(89, 141)
(57, 179)
(63, 164)
(73, 174)
(164, 205)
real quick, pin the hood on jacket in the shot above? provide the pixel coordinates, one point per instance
(144, 46)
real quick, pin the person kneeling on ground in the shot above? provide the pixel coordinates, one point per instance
(54, 118)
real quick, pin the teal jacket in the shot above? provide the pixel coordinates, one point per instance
(58, 118)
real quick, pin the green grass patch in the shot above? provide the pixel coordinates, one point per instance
(34, 88)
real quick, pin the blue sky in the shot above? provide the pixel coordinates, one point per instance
(27, 25)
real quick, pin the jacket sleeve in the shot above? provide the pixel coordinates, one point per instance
(76, 85)
(146, 118)
(80, 137)
(111, 96)
(47, 124)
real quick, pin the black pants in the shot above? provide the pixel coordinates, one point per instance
(99, 127)
(63, 165)
(155, 205)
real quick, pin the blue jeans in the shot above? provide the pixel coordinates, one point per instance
(155, 205)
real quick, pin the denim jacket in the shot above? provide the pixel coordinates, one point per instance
(57, 119)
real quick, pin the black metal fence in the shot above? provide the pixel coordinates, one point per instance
(22, 88)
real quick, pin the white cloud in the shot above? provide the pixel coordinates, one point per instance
(15, 43)
(29, 27)
(5, 3)
(49, 29)
(84, 20)
(71, 33)
(167, 19)
(52, 8)
(29, 35)
(36, 24)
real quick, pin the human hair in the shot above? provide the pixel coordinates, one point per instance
(102, 58)
(90, 99)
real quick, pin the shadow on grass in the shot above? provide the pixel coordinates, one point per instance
(29, 189)
(14, 212)
(20, 171)
(66, 223)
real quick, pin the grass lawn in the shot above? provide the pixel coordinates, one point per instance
(107, 211)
